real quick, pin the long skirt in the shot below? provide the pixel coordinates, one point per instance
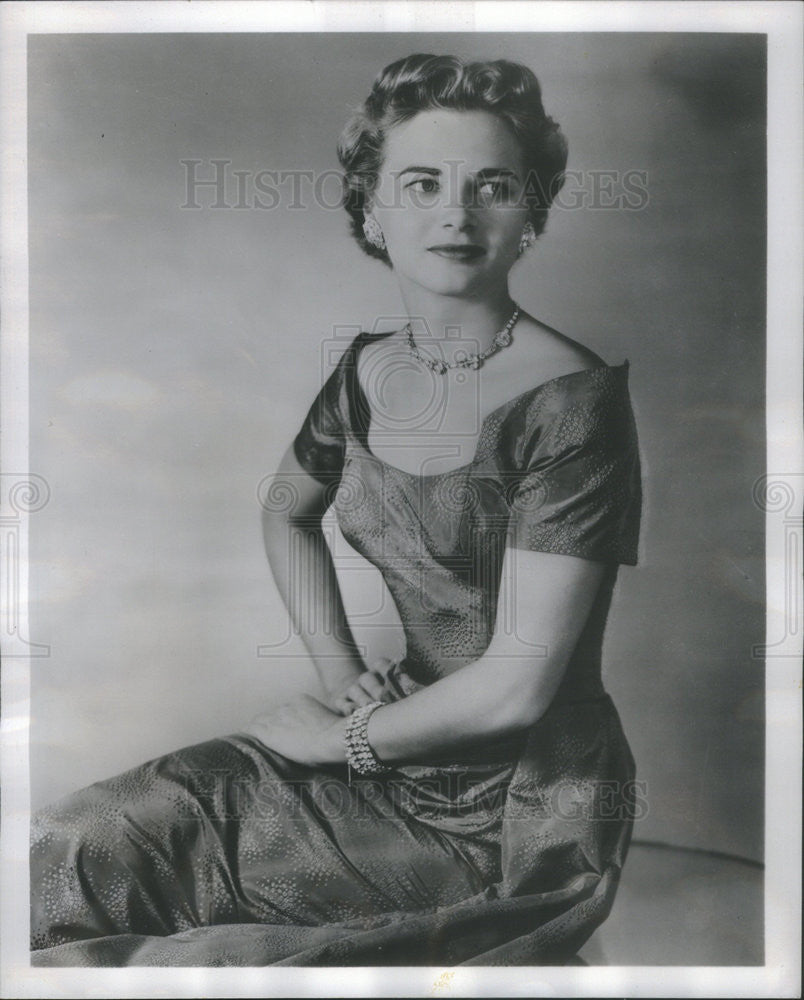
(227, 853)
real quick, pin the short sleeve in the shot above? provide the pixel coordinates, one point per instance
(580, 489)
(320, 445)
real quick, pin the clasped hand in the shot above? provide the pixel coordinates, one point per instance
(367, 687)
(308, 731)
(304, 730)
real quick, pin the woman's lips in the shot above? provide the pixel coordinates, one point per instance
(462, 252)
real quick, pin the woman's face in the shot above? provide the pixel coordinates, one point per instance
(450, 201)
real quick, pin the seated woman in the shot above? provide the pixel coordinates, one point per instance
(472, 803)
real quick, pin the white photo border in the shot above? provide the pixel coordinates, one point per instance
(782, 22)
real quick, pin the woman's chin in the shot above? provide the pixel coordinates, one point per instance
(453, 283)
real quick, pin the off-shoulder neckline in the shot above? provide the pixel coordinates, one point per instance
(487, 419)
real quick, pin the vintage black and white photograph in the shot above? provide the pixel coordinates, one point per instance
(398, 504)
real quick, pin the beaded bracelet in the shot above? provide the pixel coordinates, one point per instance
(359, 755)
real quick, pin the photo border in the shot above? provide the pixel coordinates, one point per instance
(782, 22)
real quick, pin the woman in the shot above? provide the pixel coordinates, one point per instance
(472, 803)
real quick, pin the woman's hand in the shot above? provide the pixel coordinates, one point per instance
(369, 686)
(303, 730)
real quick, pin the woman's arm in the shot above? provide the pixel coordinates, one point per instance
(512, 684)
(505, 690)
(302, 568)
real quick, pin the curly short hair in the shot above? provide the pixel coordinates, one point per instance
(424, 82)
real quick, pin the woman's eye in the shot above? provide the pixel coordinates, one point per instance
(427, 185)
(491, 189)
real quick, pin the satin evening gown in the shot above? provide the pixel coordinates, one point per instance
(510, 852)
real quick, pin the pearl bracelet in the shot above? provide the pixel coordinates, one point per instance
(359, 755)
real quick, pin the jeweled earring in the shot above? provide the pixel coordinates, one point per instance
(528, 237)
(373, 233)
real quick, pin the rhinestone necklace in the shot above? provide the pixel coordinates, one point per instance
(502, 339)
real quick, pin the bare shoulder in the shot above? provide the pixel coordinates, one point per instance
(539, 354)
(376, 352)
(552, 352)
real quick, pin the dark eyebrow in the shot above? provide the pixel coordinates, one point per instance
(496, 172)
(419, 170)
(482, 175)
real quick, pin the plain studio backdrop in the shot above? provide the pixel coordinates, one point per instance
(175, 351)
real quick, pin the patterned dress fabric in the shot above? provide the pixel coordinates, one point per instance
(507, 853)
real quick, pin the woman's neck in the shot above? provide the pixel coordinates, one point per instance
(469, 325)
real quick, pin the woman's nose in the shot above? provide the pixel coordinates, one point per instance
(458, 206)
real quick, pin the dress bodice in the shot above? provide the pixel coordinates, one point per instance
(556, 469)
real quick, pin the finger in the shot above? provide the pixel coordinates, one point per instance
(358, 696)
(409, 686)
(372, 683)
(343, 705)
(343, 702)
(381, 665)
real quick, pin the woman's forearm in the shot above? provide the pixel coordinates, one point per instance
(492, 697)
(514, 682)
(304, 573)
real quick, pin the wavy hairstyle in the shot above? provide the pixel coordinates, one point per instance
(424, 82)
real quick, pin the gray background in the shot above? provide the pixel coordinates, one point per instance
(175, 352)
